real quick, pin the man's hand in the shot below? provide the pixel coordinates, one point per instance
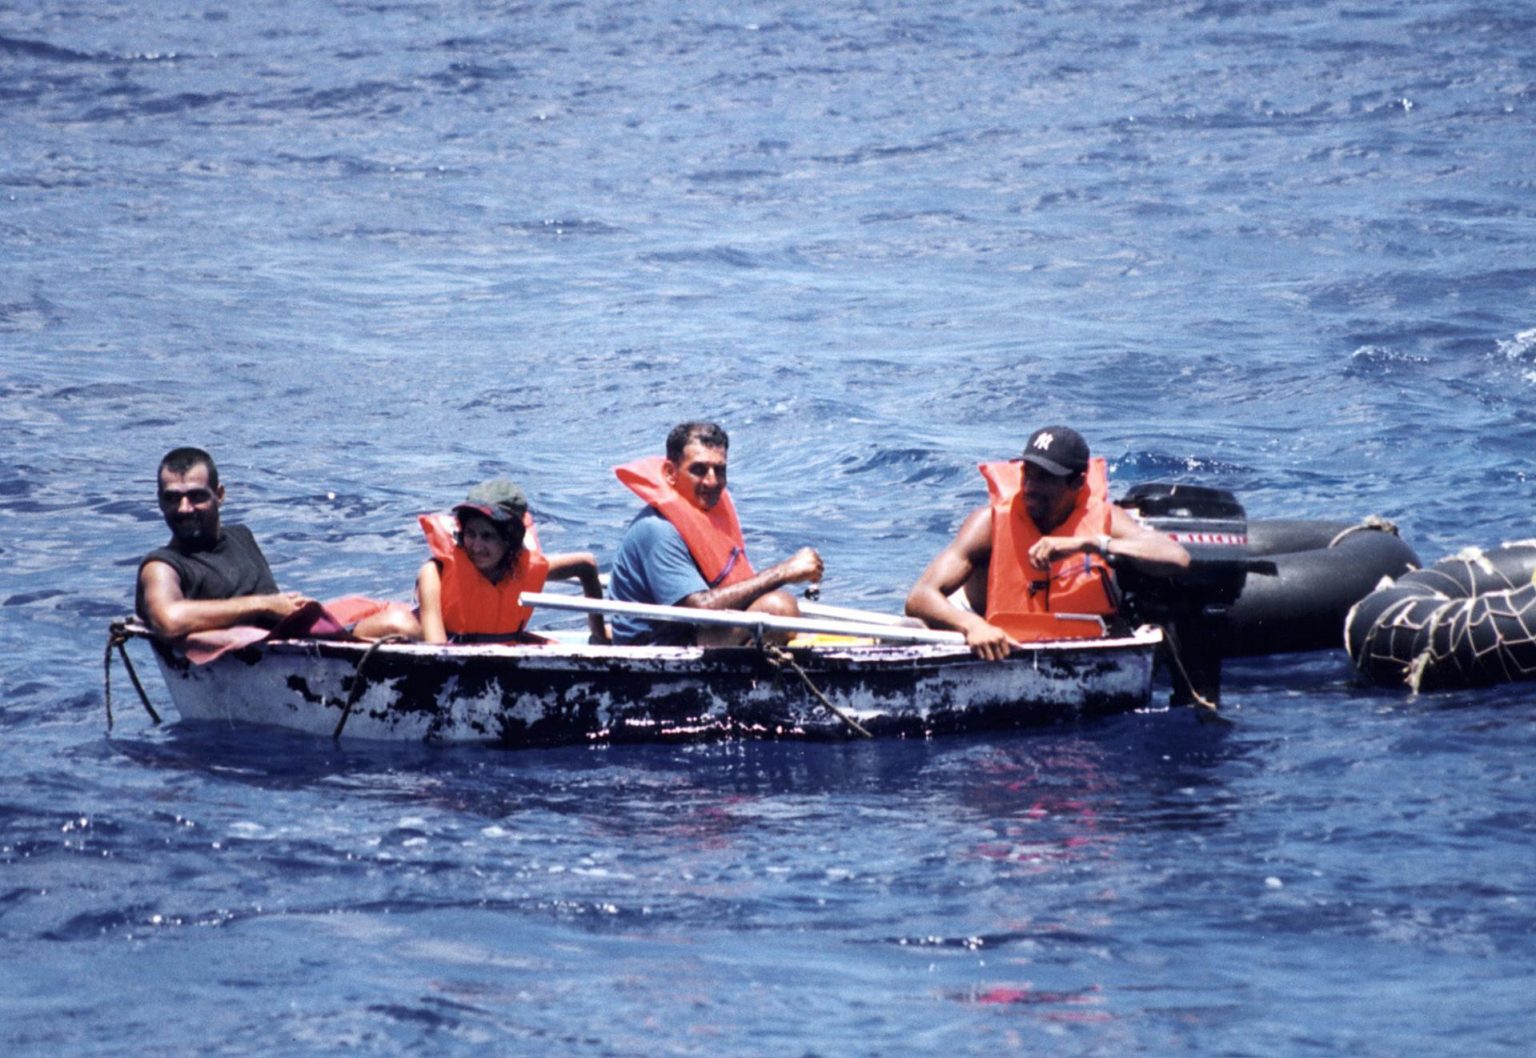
(804, 564)
(1049, 548)
(284, 603)
(987, 641)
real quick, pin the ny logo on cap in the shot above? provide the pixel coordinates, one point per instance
(1044, 441)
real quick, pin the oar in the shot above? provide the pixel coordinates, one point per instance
(742, 619)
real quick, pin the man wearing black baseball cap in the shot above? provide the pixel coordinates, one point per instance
(1035, 559)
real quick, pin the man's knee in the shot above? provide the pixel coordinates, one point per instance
(776, 604)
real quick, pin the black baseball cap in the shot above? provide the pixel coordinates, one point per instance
(1058, 450)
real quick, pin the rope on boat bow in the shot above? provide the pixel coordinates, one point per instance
(780, 658)
(118, 636)
(357, 679)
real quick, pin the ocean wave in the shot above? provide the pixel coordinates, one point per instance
(1370, 360)
(1521, 348)
(41, 49)
(1154, 465)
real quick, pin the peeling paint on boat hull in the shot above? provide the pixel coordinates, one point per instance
(561, 694)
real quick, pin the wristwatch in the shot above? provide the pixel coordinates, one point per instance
(1104, 544)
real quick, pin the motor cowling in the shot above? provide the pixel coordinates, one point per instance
(1212, 526)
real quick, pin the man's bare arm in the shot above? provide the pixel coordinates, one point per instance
(947, 573)
(803, 565)
(172, 615)
(1152, 551)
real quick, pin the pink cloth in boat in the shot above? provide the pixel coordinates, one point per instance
(332, 619)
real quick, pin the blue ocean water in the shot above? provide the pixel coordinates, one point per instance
(370, 253)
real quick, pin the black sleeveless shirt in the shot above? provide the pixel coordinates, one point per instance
(231, 568)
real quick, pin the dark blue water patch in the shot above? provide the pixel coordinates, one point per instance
(42, 702)
(1486, 392)
(559, 228)
(11, 897)
(911, 465)
(1440, 342)
(887, 152)
(100, 391)
(714, 255)
(903, 217)
(27, 598)
(1486, 712)
(181, 103)
(39, 49)
(1163, 466)
(341, 504)
(41, 507)
(503, 401)
(338, 165)
(30, 315)
(398, 237)
(732, 176)
(135, 510)
(1490, 23)
(1430, 926)
(94, 924)
(1463, 207)
(472, 77)
(361, 99)
(424, 1016)
(102, 609)
(125, 100)
(996, 942)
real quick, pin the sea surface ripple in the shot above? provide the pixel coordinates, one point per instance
(370, 252)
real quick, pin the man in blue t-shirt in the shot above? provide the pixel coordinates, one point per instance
(654, 564)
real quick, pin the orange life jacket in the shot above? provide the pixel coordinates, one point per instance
(472, 605)
(713, 537)
(1026, 602)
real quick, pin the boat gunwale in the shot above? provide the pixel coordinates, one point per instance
(875, 654)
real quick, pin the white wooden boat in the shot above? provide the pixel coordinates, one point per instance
(563, 692)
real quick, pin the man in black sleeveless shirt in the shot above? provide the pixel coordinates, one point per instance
(209, 575)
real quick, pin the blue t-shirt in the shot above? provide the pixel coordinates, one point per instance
(653, 566)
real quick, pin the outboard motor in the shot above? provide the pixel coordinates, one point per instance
(1213, 527)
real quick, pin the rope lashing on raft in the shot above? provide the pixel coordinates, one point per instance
(1467, 621)
(780, 658)
(1371, 523)
(357, 679)
(118, 636)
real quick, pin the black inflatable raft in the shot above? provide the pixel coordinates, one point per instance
(1467, 621)
(1254, 587)
(1302, 580)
